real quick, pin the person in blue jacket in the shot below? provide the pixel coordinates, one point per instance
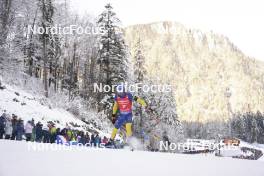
(20, 129)
(2, 125)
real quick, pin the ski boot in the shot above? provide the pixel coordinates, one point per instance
(110, 144)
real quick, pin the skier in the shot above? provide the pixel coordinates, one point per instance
(123, 107)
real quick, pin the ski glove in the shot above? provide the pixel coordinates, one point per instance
(113, 118)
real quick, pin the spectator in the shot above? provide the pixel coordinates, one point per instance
(33, 136)
(53, 133)
(58, 131)
(39, 132)
(97, 140)
(14, 127)
(28, 130)
(92, 140)
(69, 134)
(64, 133)
(165, 138)
(46, 133)
(74, 136)
(105, 140)
(8, 127)
(20, 129)
(87, 138)
(81, 138)
(2, 124)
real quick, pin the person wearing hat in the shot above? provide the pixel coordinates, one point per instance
(8, 127)
(2, 124)
(122, 111)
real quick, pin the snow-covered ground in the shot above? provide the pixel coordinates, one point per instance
(27, 106)
(17, 159)
(237, 151)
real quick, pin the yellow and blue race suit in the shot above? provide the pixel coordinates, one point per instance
(123, 105)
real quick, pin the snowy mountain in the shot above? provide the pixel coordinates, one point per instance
(47, 160)
(211, 77)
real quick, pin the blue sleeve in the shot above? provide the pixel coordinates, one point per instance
(130, 96)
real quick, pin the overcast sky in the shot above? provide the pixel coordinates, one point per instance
(242, 21)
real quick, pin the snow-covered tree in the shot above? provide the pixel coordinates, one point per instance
(160, 120)
(8, 56)
(6, 17)
(112, 57)
(139, 63)
(139, 75)
(47, 39)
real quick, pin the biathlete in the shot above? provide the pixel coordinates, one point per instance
(122, 111)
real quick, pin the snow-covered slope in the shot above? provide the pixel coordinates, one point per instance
(17, 159)
(27, 106)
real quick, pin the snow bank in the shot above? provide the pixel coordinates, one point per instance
(16, 159)
(27, 106)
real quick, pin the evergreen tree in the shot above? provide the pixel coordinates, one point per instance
(161, 118)
(139, 65)
(139, 78)
(47, 39)
(6, 15)
(112, 58)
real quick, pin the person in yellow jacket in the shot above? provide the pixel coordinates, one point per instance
(123, 106)
(69, 134)
(53, 133)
